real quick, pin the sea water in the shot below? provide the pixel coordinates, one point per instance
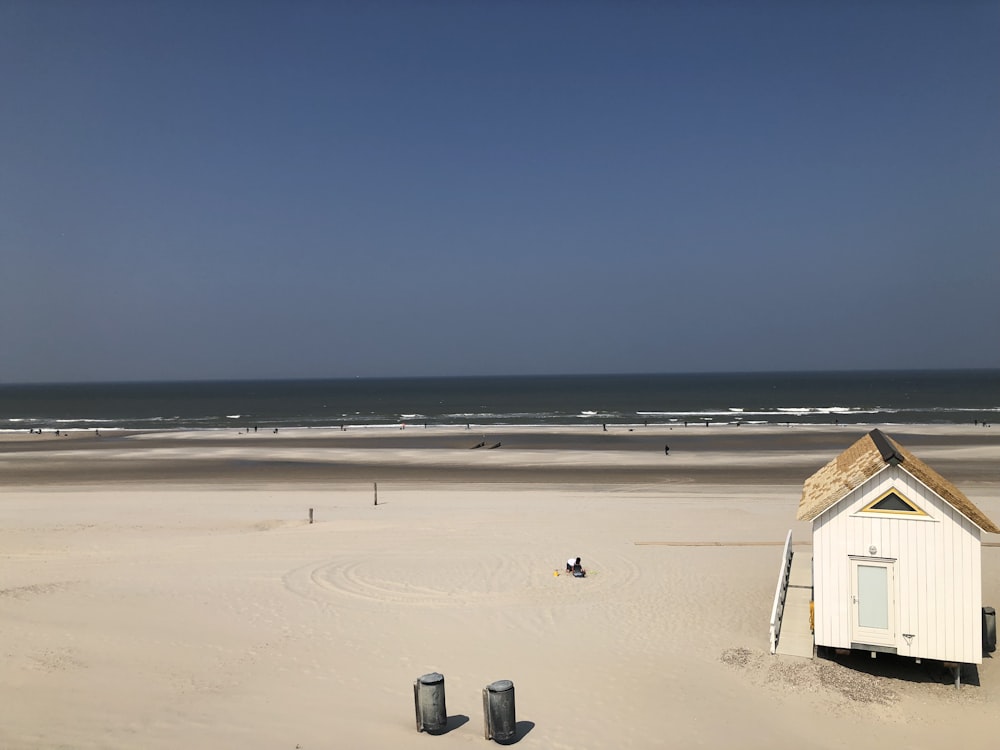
(930, 397)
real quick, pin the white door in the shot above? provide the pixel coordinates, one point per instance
(873, 602)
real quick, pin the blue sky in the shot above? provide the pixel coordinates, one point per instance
(319, 189)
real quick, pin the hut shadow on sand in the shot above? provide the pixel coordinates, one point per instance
(905, 669)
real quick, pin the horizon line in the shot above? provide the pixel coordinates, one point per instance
(344, 378)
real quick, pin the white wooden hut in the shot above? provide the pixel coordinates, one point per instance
(896, 556)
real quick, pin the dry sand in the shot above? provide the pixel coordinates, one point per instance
(167, 591)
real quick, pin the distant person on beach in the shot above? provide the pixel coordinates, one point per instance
(666, 450)
(574, 566)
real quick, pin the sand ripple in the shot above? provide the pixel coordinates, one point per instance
(446, 580)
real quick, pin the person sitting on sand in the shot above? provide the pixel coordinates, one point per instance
(574, 566)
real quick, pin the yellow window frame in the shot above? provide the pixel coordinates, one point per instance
(915, 509)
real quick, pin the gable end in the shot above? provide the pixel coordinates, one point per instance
(867, 457)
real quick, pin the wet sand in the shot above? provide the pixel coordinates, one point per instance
(589, 454)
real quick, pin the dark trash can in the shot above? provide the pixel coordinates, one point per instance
(989, 630)
(498, 711)
(428, 700)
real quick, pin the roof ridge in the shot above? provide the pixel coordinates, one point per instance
(889, 453)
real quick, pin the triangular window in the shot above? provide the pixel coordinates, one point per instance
(893, 502)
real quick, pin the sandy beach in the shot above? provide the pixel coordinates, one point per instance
(166, 590)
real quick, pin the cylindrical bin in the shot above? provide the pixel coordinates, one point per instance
(498, 711)
(989, 630)
(428, 700)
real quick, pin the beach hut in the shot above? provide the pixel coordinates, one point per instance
(896, 556)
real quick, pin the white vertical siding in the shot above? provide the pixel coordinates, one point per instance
(928, 618)
(948, 555)
(916, 592)
(938, 585)
(976, 588)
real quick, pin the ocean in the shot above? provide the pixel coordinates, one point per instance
(931, 397)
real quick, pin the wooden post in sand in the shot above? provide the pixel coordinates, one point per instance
(376, 493)
(310, 515)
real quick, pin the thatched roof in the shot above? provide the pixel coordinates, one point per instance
(865, 459)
